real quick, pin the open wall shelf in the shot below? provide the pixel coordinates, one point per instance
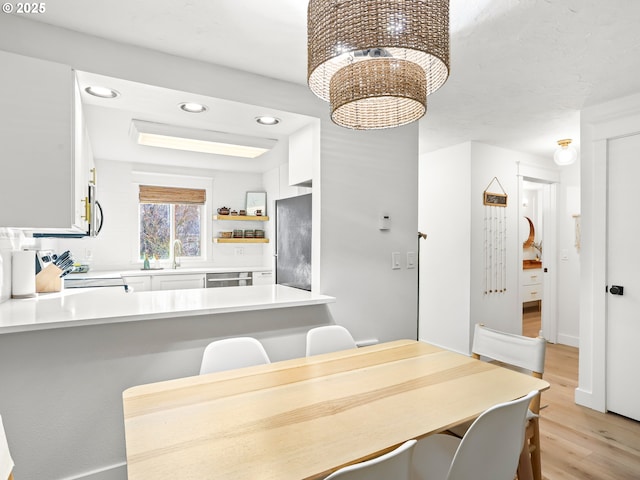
(240, 218)
(240, 240)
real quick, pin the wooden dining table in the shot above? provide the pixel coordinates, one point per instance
(306, 417)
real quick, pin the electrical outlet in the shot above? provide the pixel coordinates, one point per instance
(238, 251)
(395, 260)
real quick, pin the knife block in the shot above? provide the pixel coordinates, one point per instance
(48, 280)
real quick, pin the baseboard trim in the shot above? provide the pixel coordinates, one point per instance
(587, 399)
(569, 340)
(117, 471)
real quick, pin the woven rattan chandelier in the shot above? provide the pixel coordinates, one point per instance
(376, 61)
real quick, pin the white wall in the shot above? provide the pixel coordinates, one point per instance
(568, 265)
(363, 174)
(503, 310)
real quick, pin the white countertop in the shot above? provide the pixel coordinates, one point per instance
(94, 306)
(166, 271)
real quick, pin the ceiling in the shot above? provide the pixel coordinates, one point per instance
(521, 70)
(109, 124)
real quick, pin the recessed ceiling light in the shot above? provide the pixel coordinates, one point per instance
(267, 120)
(193, 107)
(102, 92)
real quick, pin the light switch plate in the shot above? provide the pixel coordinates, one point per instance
(384, 223)
(411, 259)
(395, 260)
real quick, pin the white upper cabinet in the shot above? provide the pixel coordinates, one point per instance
(38, 174)
(84, 166)
(304, 150)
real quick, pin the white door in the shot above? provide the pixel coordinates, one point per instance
(623, 266)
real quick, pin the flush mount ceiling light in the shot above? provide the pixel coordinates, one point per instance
(376, 61)
(267, 120)
(204, 141)
(565, 154)
(192, 107)
(102, 92)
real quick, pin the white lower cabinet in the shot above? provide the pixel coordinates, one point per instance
(144, 283)
(178, 281)
(263, 278)
(138, 283)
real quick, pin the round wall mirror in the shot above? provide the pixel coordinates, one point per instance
(532, 234)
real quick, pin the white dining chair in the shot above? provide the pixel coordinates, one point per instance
(524, 354)
(329, 338)
(6, 462)
(394, 465)
(230, 353)
(489, 450)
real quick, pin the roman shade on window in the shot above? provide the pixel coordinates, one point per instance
(179, 196)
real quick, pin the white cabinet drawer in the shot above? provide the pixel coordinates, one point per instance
(531, 293)
(177, 282)
(532, 276)
(263, 278)
(138, 283)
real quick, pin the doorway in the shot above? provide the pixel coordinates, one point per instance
(537, 212)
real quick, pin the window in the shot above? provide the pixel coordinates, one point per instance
(169, 214)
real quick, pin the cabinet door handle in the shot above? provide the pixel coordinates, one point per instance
(534, 293)
(87, 209)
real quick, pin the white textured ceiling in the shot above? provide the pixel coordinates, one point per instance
(521, 70)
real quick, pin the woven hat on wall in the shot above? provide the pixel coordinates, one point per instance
(376, 61)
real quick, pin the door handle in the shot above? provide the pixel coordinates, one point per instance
(616, 290)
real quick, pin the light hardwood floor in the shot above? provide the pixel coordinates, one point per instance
(579, 443)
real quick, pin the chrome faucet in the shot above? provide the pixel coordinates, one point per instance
(177, 252)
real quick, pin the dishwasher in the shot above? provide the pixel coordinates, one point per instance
(229, 279)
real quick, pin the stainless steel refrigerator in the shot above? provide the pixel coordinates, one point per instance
(293, 242)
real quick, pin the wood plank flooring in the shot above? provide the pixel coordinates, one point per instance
(531, 321)
(579, 443)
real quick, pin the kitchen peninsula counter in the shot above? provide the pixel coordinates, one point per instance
(95, 306)
(66, 358)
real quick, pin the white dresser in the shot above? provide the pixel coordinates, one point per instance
(531, 282)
